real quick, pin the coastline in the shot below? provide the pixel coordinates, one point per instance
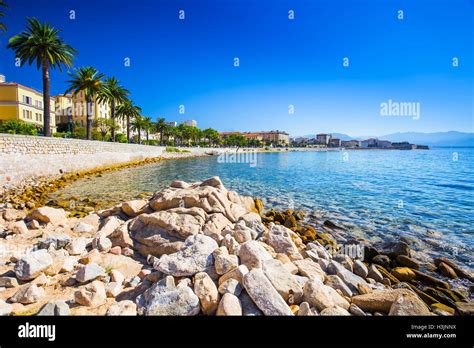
(321, 277)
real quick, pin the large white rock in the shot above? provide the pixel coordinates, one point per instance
(29, 293)
(195, 256)
(164, 298)
(89, 272)
(124, 308)
(283, 281)
(281, 239)
(31, 266)
(49, 215)
(262, 292)
(252, 254)
(206, 291)
(92, 294)
(229, 305)
(310, 269)
(322, 296)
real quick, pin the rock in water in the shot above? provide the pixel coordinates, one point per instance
(262, 292)
(195, 256)
(30, 266)
(164, 298)
(409, 305)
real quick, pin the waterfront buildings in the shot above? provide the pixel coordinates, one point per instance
(18, 102)
(323, 138)
(335, 142)
(274, 137)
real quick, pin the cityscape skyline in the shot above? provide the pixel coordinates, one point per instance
(285, 64)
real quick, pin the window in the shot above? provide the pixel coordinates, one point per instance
(26, 100)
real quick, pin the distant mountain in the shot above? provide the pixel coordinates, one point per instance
(451, 138)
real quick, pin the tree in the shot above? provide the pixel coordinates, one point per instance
(114, 94)
(88, 80)
(40, 43)
(147, 126)
(103, 125)
(128, 111)
(161, 128)
(211, 135)
(3, 7)
(138, 124)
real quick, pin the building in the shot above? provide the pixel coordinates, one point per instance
(63, 109)
(372, 142)
(323, 138)
(192, 123)
(18, 102)
(276, 137)
(335, 142)
(172, 124)
(384, 144)
(350, 143)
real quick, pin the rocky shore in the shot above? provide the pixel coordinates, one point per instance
(200, 249)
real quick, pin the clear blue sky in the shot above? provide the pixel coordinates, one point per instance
(282, 61)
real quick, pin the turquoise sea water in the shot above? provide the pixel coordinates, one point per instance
(424, 196)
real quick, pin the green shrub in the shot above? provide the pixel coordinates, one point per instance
(18, 127)
(62, 135)
(120, 138)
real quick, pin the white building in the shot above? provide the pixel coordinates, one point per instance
(192, 123)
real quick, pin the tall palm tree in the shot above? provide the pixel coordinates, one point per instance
(114, 94)
(161, 127)
(3, 7)
(139, 124)
(128, 111)
(40, 43)
(88, 80)
(147, 127)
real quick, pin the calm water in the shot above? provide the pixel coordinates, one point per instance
(424, 196)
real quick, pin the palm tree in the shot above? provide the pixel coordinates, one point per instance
(40, 43)
(138, 124)
(88, 80)
(161, 127)
(3, 7)
(128, 111)
(114, 94)
(147, 126)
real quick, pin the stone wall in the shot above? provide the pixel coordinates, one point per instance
(23, 157)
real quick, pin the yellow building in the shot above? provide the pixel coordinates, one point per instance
(64, 109)
(18, 102)
(74, 108)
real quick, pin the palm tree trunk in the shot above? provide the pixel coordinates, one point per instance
(161, 138)
(139, 136)
(128, 129)
(112, 117)
(89, 118)
(147, 136)
(46, 101)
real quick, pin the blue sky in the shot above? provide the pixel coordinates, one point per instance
(282, 62)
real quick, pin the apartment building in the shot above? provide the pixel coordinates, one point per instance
(18, 102)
